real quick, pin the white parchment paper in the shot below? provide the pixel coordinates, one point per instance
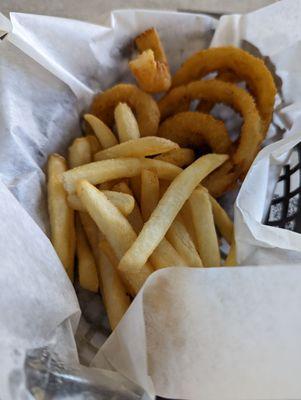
(189, 334)
(196, 343)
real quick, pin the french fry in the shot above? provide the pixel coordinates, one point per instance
(231, 260)
(168, 207)
(79, 152)
(222, 220)
(135, 183)
(114, 293)
(163, 187)
(94, 144)
(203, 222)
(112, 289)
(124, 202)
(150, 192)
(87, 272)
(126, 123)
(103, 133)
(186, 216)
(91, 231)
(116, 229)
(141, 147)
(180, 239)
(75, 203)
(107, 170)
(60, 214)
(106, 185)
(164, 255)
(180, 157)
(135, 218)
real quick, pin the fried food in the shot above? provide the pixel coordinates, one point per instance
(165, 255)
(194, 129)
(150, 192)
(61, 216)
(180, 157)
(107, 170)
(181, 240)
(135, 218)
(126, 123)
(203, 222)
(222, 220)
(222, 179)
(115, 297)
(104, 134)
(150, 39)
(251, 131)
(245, 66)
(124, 202)
(87, 272)
(152, 75)
(143, 106)
(151, 68)
(135, 184)
(94, 143)
(142, 147)
(225, 76)
(168, 207)
(116, 229)
(79, 152)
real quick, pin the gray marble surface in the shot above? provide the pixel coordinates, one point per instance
(90, 10)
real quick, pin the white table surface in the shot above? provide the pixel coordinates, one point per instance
(90, 10)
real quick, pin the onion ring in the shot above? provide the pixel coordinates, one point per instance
(246, 67)
(229, 94)
(143, 105)
(222, 179)
(192, 129)
(151, 68)
(237, 98)
(225, 76)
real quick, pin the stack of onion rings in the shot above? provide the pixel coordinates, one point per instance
(246, 67)
(198, 129)
(251, 132)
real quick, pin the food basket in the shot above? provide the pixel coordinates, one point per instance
(203, 333)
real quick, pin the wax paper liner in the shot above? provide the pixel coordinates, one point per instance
(49, 69)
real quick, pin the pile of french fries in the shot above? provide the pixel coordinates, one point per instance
(122, 207)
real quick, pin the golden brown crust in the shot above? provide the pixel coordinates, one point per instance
(246, 67)
(231, 95)
(152, 76)
(222, 179)
(225, 76)
(143, 106)
(150, 39)
(193, 129)
(151, 68)
(251, 136)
